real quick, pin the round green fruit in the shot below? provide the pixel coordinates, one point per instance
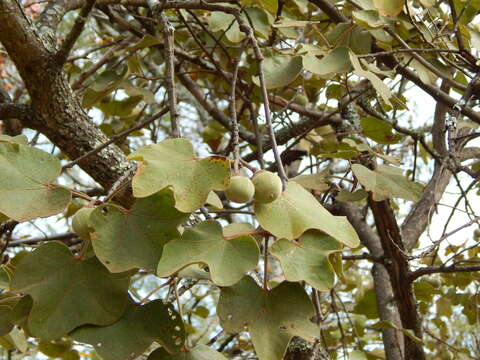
(300, 99)
(476, 234)
(241, 189)
(268, 186)
(80, 223)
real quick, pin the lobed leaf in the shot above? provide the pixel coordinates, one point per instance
(136, 330)
(296, 211)
(26, 185)
(125, 240)
(308, 259)
(172, 163)
(60, 284)
(272, 317)
(228, 257)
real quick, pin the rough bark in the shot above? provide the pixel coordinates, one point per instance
(386, 307)
(58, 113)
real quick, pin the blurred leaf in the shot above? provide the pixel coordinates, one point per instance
(387, 182)
(280, 70)
(379, 131)
(367, 305)
(357, 195)
(335, 62)
(312, 181)
(389, 7)
(378, 84)
(199, 352)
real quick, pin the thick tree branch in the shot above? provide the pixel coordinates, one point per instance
(419, 216)
(60, 116)
(398, 269)
(393, 341)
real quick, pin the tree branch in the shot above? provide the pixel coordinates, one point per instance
(75, 32)
(392, 339)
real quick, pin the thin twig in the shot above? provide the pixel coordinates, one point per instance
(265, 263)
(168, 31)
(233, 113)
(244, 27)
(75, 32)
(161, 286)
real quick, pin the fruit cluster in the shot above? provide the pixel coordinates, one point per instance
(264, 187)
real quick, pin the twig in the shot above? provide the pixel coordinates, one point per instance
(114, 138)
(6, 230)
(436, 242)
(75, 32)
(226, 342)
(425, 63)
(265, 263)
(168, 31)
(233, 113)
(61, 237)
(244, 27)
(409, 50)
(161, 286)
(442, 269)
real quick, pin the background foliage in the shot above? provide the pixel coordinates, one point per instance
(123, 123)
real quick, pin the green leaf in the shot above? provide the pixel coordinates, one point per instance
(386, 324)
(367, 305)
(272, 317)
(6, 324)
(146, 41)
(228, 258)
(60, 284)
(26, 189)
(389, 7)
(379, 131)
(55, 349)
(120, 107)
(199, 352)
(377, 83)
(214, 201)
(369, 19)
(129, 239)
(137, 329)
(357, 195)
(335, 62)
(313, 181)
(387, 182)
(172, 163)
(260, 21)
(297, 211)
(19, 139)
(280, 70)
(220, 21)
(307, 259)
(351, 36)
